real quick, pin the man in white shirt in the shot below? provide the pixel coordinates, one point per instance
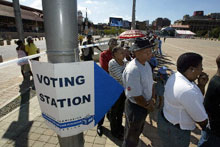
(138, 83)
(183, 103)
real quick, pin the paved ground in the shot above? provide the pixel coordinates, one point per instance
(207, 48)
(25, 127)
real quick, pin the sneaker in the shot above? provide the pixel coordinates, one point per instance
(100, 130)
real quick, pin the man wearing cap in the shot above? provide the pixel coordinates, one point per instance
(138, 84)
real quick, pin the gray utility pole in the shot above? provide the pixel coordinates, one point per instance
(18, 19)
(133, 24)
(60, 21)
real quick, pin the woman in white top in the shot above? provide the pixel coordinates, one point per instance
(183, 103)
(116, 67)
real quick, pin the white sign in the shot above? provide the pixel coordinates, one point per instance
(65, 95)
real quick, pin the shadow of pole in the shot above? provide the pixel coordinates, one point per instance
(22, 124)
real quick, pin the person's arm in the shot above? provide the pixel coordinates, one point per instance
(141, 101)
(98, 48)
(102, 61)
(203, 124)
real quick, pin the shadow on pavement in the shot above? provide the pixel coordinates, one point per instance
(164, 60)
(151, 132)
(108, 134)
(22, 124)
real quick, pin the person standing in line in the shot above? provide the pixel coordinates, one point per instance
(116, 67)
(31, 48)
(80, 38)
(159, 46)
(104, 59)
(88, 52)
(183, 103)
(138, 83)
(161, 79)
(21, 53)
(211, 135)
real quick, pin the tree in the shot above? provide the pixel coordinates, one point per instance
(215, 32)
(201, 33)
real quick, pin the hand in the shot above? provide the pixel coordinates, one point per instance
(203, 79)
(150, 106)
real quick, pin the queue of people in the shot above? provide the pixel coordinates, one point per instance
(179, 99)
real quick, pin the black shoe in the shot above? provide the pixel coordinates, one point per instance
(100, 130)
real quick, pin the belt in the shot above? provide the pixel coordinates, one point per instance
(176, 125)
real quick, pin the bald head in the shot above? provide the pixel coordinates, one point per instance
(218, 61)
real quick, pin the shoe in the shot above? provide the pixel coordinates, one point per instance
(100, 130)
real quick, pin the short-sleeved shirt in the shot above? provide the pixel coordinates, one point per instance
(183, 102)
(104, 59)
(212, 104)
(116, 70)
(137, 80)
(31, 49)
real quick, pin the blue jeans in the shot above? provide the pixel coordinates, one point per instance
(208, 139)
(171, 135)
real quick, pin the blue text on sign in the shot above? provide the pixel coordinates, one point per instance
(61, 82)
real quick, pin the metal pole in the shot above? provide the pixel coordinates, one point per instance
(133, 26)
(18, 19)
(60, 21)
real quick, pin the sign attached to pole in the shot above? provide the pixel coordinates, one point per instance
(73, 97)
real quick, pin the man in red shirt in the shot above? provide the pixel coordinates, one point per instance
(104, 58)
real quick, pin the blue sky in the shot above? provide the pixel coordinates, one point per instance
(99, 11)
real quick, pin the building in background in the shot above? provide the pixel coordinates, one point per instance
(159, 23)
(80, 21)
(200, 22)
(32, 21)
(126, 24)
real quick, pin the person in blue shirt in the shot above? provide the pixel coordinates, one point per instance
(161, 79)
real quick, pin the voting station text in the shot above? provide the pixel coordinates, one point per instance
(61, 83)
